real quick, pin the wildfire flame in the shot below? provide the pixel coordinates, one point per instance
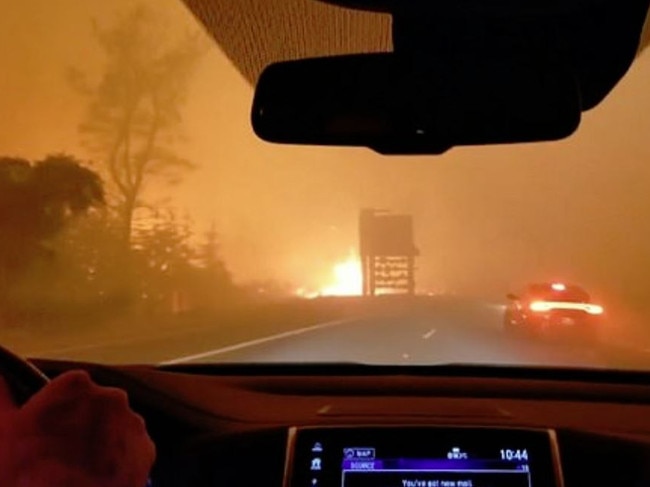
(348, 279)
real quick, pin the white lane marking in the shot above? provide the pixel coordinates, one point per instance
(252, 343)
(429, 334)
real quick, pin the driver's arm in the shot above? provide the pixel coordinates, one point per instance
(73, 433)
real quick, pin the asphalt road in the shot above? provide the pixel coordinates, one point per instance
(424, 331)
(457, 332)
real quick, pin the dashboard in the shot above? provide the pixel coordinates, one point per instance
(349, 426)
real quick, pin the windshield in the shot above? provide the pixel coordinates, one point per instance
(141, 220)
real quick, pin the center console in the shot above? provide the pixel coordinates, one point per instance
(421, 457)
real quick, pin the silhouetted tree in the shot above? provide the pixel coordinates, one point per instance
(90, 266)
(36, 202)
(135, 109)
(175, 272)
(164, 257)
(209, 255)
(214, 283)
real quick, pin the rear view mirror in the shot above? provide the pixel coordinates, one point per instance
(465, 72)
(394, 107)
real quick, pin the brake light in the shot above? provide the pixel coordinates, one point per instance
(594, 309)
(540, 306)
(545, 306)
(557, 286)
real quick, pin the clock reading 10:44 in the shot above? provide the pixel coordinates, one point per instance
(515, 454)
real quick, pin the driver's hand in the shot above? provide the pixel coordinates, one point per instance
(73, 433)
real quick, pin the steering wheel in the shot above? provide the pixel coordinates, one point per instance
(23, 378)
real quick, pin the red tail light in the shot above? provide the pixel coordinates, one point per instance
(594, 309)
(546, 306)
(540, 306)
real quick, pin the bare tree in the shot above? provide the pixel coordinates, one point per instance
(135, 110)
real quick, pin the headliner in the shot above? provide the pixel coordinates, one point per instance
(255, 33)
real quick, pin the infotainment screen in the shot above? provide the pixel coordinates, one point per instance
(421, 457)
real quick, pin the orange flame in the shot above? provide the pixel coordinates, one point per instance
(348, 279)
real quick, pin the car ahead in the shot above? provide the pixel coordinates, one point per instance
(553, 310)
